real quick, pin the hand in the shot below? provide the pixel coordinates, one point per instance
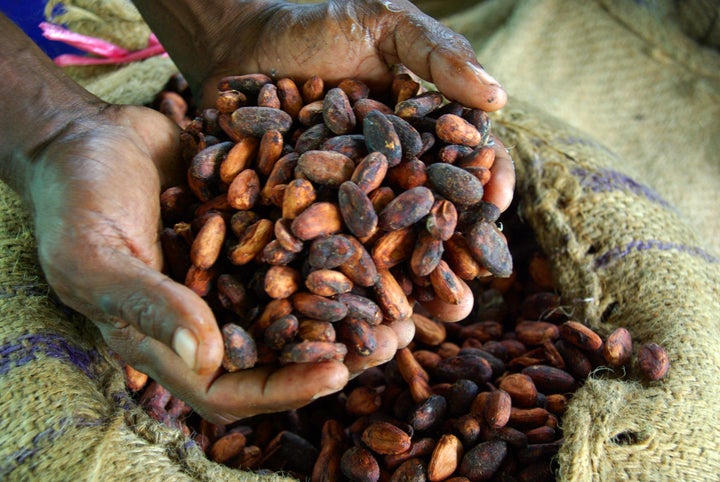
(95, 195)
(341, 39)
(360, 39)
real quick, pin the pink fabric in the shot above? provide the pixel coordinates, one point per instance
(103, 52)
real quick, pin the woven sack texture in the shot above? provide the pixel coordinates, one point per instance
(642, 78)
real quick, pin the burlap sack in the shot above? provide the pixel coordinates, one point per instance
(621, 255)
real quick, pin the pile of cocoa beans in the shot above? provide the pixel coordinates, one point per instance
(313, 214)
(480, 399)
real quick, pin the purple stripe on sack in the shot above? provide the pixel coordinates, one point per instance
(42, 440)
(640, 245)
(605, 180)
(26, 348)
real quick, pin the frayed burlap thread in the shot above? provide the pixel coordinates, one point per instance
(622, 256)
(66, 413)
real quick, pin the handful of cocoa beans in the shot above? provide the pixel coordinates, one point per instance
(313, 214)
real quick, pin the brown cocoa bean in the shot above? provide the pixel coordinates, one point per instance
(299, 195)
(311, 114)
(454, 129)
(394, 247)
(360, 268)
(238, 158)
(268, 96)
(428, 331)
(315, 330)
(419, 105)
(380, 136)
(200, 280)
(580, 335)
(521, 389)
(328, 252)
(391, 298)
(248, 84)
(361, 308)
(489, 247)
(653, 361)
(410, 139)
(359, 465)
(240, 349)
(319, 219)
(350, 145)
(290, 99)
(227, 447)
(385, 438)
(254, 240)
(313, 89)
(455, 184)
(361, 107)
(208, 242)
(617, 349)
(312, 138)
(404, 87)
(337, 112)
(282, 173)
(446, 284)
(363, 401)
(445, 458)
(281, 331)
(256, 121)
(497, 408)
(357, 210)
(328, 168)
(327, 282)
(244, 191)
(318, 307)
(312, 352)
(204, 171)
(406, 209)
(282, 281)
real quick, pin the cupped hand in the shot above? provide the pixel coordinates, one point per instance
(340, 39)
(95, 196)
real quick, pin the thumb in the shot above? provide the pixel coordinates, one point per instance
(158, 307)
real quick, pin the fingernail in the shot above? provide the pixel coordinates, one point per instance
(185, 345)
(482, 74)
(326, 392)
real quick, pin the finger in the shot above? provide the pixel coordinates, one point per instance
(448, 312)
(242, 394)
(501, 187)
(387, 345)
(404, 331)
(162, 309)
(445, 58)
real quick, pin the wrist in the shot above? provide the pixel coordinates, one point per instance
(40, 104)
